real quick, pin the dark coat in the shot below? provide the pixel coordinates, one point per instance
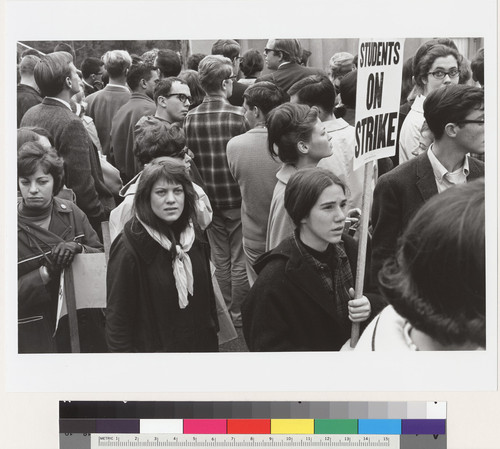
(82, 169)
(397, 196)
(288, 74)
(288, 309)
(27, 97)
(37, 303)
(143, 313)
(236, 98)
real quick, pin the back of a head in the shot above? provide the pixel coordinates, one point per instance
(341, 63)
(193, 61)
(265, 95)
(315, 90)
(287, 125)
(155, 139)
(192, 79)
(149, 56)
(27, 65)
(226, 47)
(252, 62)
(169, 63)
(214, 69)
(347, 89)
(477, 67)
(116, 63)
(51, 73)
(450, 104)
(291, 49)
(31, 51)
(91, 66)
(438, 279)
(63, 46)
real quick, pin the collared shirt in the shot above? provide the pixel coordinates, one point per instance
(284, 63)
(65, 103)
(444, 178)
(208, 128)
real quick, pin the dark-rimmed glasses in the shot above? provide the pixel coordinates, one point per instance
(182, 97)
(440, 74)
(267, 50)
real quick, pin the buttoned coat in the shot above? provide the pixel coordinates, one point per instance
(397, 196)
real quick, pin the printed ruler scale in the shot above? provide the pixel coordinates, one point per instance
(141, 441)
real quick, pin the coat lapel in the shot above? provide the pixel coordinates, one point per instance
(426, 182)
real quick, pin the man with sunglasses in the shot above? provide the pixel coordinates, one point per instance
(283, 56)
(455, 116)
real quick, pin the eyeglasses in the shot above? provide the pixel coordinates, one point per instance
(182, 98)
(267, 50)
(232, 77)
(462, 122)
(440, 74)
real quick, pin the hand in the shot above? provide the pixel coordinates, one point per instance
(354, 215)
(64, 253)
(359, 309)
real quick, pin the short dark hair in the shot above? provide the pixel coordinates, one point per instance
(315, 90)
(226, 47)
(51, 73)
(450, 104)
(291, 49)
(156, 139)
(91, 66)
(28, 64)
(347, 89)
(63, 46)
(169, 63)
(192, 79)
(265, 95)
(287, 125)
(304, 188)
(252, 62)
(174, 171)
(32, 155)
(425, 56)
(193, 61)
(437, 280)
(164, 87)
(477, 66)
(138, 72)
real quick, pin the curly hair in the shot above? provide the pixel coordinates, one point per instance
(437, 280)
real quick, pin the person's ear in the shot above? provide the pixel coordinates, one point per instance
(451, 130)
(143, 83)
(68, 82)
(302, 147)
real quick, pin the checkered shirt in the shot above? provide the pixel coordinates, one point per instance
(208, 128)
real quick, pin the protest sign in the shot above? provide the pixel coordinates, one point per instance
(378, 92)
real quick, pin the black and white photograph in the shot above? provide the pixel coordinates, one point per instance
(253, 197)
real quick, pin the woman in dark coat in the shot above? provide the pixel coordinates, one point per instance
(51, 231)
(303, 297)
(159, 289)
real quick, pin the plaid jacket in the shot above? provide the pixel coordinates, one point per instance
(209, 127)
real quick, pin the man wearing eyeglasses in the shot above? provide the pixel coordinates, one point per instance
(284, 57)
(455, 116)
(209, 127)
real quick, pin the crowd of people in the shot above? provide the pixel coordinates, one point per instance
(232, 202)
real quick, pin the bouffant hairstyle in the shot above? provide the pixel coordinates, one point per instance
(251, 62)
(425, 57)
(304, 188)
(33, 155)
(51, 72)
(265, 95)
(437, 280)
(156, 139)
(450, 104)
(172, 171)
(315, 90)
(287, 125)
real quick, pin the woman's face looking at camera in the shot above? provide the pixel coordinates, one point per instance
(167, 200)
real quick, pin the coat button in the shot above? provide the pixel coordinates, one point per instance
(63, 206)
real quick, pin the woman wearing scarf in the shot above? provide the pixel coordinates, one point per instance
(159, 289)
(303, 297)
(51, 231)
